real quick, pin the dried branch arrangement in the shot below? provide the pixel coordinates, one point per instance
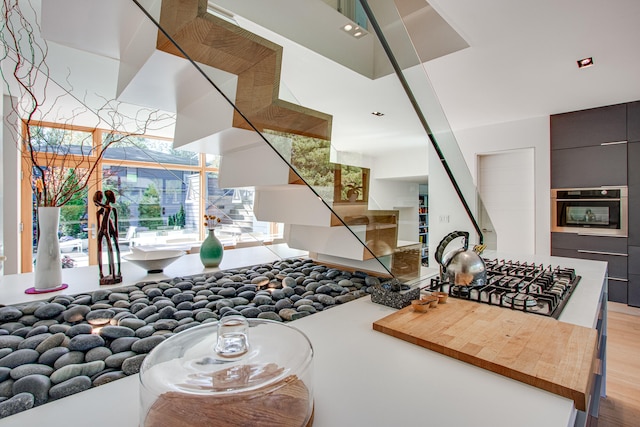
(60, 163)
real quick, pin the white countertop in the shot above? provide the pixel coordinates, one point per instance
(366, 378)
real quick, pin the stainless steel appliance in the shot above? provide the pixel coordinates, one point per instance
(529, 287)
(596, 211)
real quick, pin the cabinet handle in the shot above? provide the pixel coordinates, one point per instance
(613, 143)
(584, 251)
(617, 279)
(595, 234)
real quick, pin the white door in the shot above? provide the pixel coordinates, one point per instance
(506, 186)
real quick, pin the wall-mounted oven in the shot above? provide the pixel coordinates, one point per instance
(598, 211)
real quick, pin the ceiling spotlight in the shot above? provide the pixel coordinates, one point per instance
(585, 62)
(378, 114)
(354, 30)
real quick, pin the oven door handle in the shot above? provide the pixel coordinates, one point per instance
(588, 200)
(584, 251)
(617, 279)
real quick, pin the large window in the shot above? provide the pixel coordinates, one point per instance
(162, 194)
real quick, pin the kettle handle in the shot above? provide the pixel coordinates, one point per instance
(448, 239)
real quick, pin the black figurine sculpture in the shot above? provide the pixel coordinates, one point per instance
(107, 227)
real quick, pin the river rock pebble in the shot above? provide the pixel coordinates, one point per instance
(68, 344)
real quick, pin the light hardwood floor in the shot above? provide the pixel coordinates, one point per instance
(621, 407)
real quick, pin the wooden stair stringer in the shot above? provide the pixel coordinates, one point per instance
(256, 61)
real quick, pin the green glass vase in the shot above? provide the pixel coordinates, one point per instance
(211, 251)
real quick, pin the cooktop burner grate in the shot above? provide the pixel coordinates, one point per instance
(518, 285)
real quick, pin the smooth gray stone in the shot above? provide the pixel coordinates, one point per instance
(146, 312)
(12, 326)
(162, 303)
(117, 296)
(97, 353)
(183, 297)
(307, 308)
(82, 328)
(4, 352)
(82, 299)
(145, 345)
(132, 323)
(326, 299)
(54, 329)
(153, 292)
(115, 332)
(250, 312)
(342, 299)
(18, 403)
(37, 385)
(70, 371)
(99, 295)
(131, 366)
(185, 305)
(204, 315)
(37, 331)
(302, 301)
(145, 331)
(52, 341)
(30, 369)
(33, 341)
(260, 281)
(10, 341)
(108, 377)
(168, 324)
(121, 304)
(371, 281)
(10, 314)
(100, 316)
(4, 373)
(85, 342)
(6, 388)
(182, 314)
(287, 313)
(31, 307)
(262, 300)
(70, 358)
(289, 282)
(122, 344)
(299, 315)
(28, 320)
(19, 357)
(229, 292)
(70, 386)
(116, 360)
(49, 311)
(167, 312)
(75, 314)
(50, 356)
(283, 303)
(152, 318)
(239, 301)
(270, 315)
(324, 289)
(46, 322)
(278, 294)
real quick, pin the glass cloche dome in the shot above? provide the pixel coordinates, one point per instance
(234, 372)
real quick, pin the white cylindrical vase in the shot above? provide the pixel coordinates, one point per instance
(48, 269)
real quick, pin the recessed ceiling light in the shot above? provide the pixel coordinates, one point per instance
(354, 30)
(378, 114)
(585, 62)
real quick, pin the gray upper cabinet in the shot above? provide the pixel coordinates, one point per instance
(589, 166)
(633, 121)
(589, 127)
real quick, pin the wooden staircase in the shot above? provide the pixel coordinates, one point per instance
(190, 33)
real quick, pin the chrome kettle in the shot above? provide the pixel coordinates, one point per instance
(462, 267)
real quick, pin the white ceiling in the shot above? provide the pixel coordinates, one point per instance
(521, 63)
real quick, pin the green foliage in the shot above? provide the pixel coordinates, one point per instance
(179, 219)
(70, 220)
(149, 209)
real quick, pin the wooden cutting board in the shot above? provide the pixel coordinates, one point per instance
(537, 350)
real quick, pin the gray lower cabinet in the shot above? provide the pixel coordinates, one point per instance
(633, 291)
(612, 250)
(589, 166)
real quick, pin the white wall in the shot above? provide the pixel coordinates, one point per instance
(9, 200)
(407, 168)
(443, 202)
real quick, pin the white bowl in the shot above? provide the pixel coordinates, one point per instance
(153, 261)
